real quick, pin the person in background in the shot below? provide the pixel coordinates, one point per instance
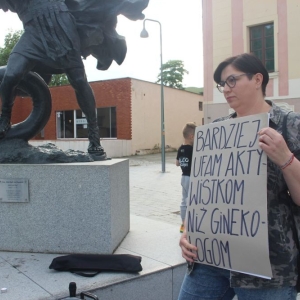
(184, 160)
(243, 80)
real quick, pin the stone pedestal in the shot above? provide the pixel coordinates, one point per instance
(72, 208)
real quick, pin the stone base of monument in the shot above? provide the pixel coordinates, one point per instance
(64, 208)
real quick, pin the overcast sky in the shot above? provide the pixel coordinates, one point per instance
(181, 40)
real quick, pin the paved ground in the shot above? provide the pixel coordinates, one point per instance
(154, 194)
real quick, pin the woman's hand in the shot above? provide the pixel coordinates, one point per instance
(274, 145)
(187, 248)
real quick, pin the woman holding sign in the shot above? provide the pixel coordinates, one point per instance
(243, 80)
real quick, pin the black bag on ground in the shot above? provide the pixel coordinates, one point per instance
(89, 265)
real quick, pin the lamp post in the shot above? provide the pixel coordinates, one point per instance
(144, 34)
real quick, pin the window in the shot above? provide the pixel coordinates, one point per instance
(200, 105)
(81, 124)
(106, 118)
(262, 44)
(73, 124)
(65, 124)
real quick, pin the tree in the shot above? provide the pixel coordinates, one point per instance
(10, 41)
(172, 74)
(58, 80)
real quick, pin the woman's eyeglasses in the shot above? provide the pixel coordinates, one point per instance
(230, 81)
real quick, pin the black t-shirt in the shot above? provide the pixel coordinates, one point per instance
(184, 156)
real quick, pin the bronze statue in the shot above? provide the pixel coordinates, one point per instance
(57, 33)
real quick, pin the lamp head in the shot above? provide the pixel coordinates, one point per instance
(144, 33)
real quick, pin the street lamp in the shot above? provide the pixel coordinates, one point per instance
(144, 34)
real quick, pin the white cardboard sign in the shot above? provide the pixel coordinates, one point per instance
(227, 205)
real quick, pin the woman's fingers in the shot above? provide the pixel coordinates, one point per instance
(187, 248)
(274, 145)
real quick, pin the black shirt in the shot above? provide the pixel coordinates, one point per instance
(184, 156)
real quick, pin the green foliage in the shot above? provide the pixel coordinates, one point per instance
(58, 80)
(195, 90)
(172, 74)
(10, 41)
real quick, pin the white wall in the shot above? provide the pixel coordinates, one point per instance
(180, 107)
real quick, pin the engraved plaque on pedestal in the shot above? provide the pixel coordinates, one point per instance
(14, 190)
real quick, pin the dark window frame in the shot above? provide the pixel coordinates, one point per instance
(107, 129)
(200, 105)
(261, 53)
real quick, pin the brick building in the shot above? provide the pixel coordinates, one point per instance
(128, 112)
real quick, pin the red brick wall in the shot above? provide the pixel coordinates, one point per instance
(21, 110)
(116, 92)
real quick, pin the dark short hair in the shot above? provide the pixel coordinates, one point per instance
(247, 63)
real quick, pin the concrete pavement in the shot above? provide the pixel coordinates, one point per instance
(153, 194)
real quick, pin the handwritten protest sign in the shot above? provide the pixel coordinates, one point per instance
(227, 204)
